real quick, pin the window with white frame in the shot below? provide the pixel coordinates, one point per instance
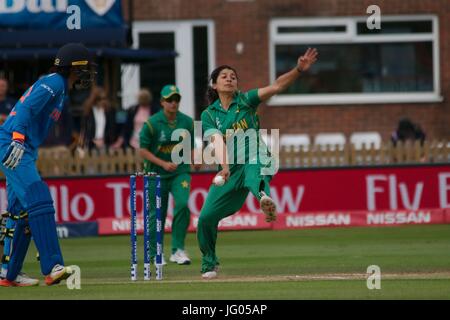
(397, 63)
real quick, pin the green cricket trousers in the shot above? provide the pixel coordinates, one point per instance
(224, 201)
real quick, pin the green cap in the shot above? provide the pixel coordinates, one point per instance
(169, 90)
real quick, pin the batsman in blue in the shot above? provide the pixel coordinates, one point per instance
(31, 212)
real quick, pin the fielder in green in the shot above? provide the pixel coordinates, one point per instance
(156, 148)
(230, 112)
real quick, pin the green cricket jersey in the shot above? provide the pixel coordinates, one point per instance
(241, 115)
(155, 136)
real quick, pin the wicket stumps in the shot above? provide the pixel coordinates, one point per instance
(159, 230)
(146, 222)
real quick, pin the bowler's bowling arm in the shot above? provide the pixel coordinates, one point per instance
(220, 150)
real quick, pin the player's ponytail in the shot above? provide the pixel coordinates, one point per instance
(211, 93)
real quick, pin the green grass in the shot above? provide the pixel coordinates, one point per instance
(293, 264)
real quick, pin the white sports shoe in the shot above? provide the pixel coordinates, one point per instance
(163, 261)
(23, 280)
(58, 274)
(268, 207)
(180, 257)
(209, 275)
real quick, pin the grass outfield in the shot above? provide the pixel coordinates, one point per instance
(292, 264)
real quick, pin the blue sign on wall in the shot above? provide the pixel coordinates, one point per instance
(77, 229)
(52, 14)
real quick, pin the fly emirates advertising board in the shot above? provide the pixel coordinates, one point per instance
(304, 198)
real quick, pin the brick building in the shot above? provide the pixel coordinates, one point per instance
(365, 80)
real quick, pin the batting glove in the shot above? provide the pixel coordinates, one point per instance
(14, 154)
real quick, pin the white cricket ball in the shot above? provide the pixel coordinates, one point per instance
(218, 180)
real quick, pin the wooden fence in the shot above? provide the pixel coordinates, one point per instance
(64, 162)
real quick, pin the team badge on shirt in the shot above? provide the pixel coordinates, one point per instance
(185, 184)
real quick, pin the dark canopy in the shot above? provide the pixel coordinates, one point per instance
(43, 44)
(125, 54)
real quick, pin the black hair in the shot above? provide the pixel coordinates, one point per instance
(406, 129)
(409, 130)
(63, 71)
(211, 94)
